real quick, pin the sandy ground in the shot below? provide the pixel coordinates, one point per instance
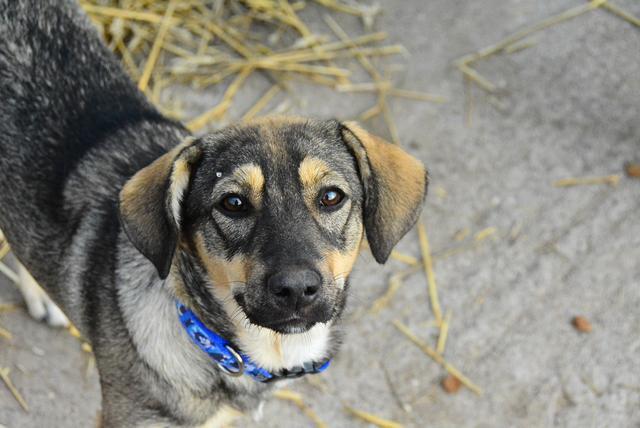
(570, 107)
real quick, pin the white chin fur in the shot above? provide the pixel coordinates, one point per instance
(275, 351)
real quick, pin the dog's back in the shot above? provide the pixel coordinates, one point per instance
(73, 128)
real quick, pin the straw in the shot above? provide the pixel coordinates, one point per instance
(444, 331)
(611, 180)
(157, 45)
(428, 269)
(435, 356)
(371, 418)
(220, 109)
(4, 375)
(295, 398)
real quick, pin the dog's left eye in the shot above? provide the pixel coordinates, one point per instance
(234, 204)
(331, 198)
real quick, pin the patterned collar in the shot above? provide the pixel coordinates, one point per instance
(233, 362)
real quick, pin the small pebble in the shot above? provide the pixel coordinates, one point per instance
(582, 324)
(632, 170)
(38, 351)
(451, 384)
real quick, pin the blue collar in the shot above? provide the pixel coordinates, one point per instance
(233, 362)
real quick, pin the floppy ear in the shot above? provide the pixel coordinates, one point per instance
(151, 204)
(395, 185)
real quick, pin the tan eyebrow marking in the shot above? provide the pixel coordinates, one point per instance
(312, 170)
(250, 175)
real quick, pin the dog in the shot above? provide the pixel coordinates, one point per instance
(202, 270)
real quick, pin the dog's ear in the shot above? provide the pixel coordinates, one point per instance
(151, 204)
(395, 185)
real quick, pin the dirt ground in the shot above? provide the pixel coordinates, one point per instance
(569, 107)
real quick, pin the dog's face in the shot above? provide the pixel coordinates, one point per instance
(275, 212)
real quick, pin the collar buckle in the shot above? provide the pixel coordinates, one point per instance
(239, 361)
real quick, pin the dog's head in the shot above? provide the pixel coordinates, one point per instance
(274, 212)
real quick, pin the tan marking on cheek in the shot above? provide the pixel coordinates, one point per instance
(340, 264)
(223, 273)
(250, 176)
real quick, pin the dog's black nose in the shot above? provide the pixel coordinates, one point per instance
(295, 287)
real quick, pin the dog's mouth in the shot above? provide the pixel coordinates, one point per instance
(273, 319)
(291, 325)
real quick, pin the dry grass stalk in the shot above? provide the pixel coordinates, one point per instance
(461, 234)
(209, 42)
(91, 365)
(4, 250)
(417, 96)
(4, 375)
(370, 113)
(220, 109)
(261, 103)
(444, 332)
(428, 269)
(611, 180)
(388, 118)
(9, 273)
(621, 13)
(404, 258)
(6, 334)
(8, 307)
(517, 47)
(464, 63)
(435, 356)
(388, 87)
(157, 46)
(116, 12)
(371, 418)
(375, 75)
(485, 233)
(395, 282)
(295, 398)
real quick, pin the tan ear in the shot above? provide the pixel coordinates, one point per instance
(151, 204)
(395, 185)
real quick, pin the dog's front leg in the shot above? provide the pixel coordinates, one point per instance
(39, 304)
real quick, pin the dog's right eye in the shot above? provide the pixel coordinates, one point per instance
(233, 204)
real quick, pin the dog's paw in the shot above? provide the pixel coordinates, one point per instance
(45, 310)
(39, 304)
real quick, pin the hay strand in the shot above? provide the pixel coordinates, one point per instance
(295, 398)
(4, 375)
(428, 269)
(395, 282)
(444, 332)
(221, 108)
(611, 180)
(6, 334)
(157, 46)
(261, 103)
(371, 418)
(435, 356)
